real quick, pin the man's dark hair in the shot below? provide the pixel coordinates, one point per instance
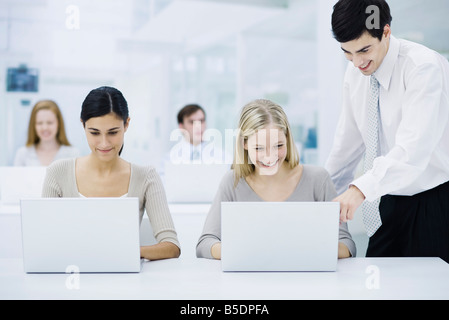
(350, 19)
(188, 110)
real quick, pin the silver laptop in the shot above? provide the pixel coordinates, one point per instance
(85, 234)
(20, 182)
(279, 236)
(193, 183)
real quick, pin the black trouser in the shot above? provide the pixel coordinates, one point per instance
(413, 226)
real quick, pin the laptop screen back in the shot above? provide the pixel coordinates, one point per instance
(92, 234)
(280, 236)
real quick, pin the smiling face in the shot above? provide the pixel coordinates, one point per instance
(46, 125)
(105, 135)
(367, 52)
(267, 149)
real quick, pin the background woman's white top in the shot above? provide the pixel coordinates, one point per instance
(27, 156)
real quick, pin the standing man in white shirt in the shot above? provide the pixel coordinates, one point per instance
(404, 191)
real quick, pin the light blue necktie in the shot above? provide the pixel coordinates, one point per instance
(370, 210)
(195, 155)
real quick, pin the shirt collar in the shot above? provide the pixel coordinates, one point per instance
(186, 144)
(385, 71)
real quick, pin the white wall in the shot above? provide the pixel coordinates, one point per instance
(164, 54)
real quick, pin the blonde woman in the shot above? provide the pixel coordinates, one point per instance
(47, 140)
(266, 168)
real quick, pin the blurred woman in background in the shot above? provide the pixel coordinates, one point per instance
(47, 140)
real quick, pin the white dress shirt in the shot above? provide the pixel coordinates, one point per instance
(414, 127)
(183, 152)
(204, 153)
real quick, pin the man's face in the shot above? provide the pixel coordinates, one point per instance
(367, 52)
(195, 124)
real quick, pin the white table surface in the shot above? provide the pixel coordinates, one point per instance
(202, 279)
(191, 278)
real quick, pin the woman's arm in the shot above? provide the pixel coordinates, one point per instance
(56, 173)
(346, 245)
(343, 251)
(209, 243)
(163, 250)
(215, 251)
(161, 222)
(211, 235)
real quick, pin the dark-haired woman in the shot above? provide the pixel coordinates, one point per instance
(103, 173)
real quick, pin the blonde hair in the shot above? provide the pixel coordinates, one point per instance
(33, 138)
(254, 116)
